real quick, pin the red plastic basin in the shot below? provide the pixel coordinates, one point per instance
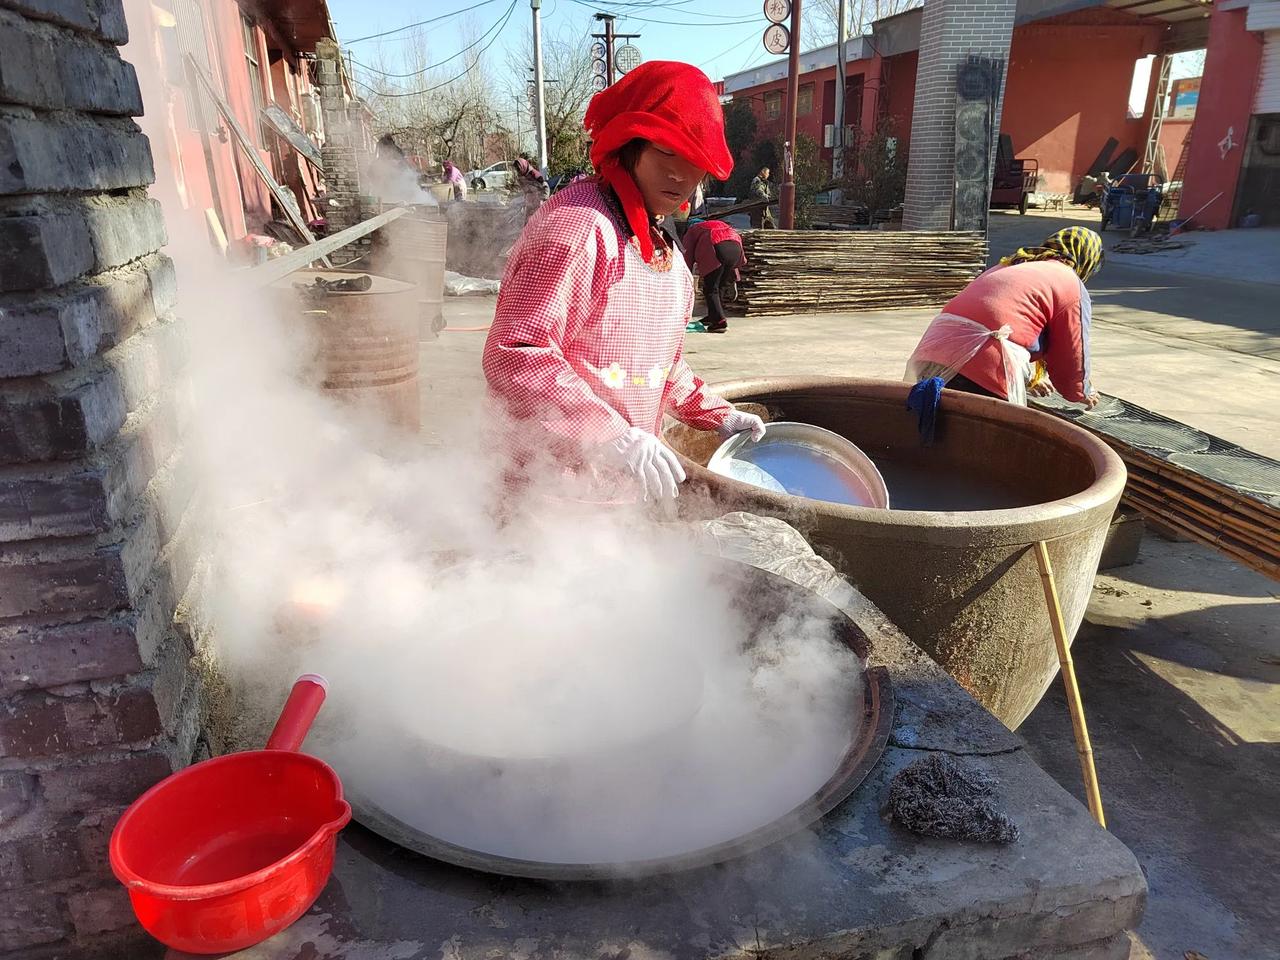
(230, 851)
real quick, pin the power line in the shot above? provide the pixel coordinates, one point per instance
(496, 29)
(420, 23)
(675, 23)
(722, 53)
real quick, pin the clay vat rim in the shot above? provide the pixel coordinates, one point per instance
(1108, 484)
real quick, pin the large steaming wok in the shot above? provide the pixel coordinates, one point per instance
(405, 806)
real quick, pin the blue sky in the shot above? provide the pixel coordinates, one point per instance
(720, 36)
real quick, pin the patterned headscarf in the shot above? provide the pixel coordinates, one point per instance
(1078, 247)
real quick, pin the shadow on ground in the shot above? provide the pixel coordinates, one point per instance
(1183, 703)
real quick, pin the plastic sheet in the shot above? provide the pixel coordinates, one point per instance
(951, 341)
(456, 285)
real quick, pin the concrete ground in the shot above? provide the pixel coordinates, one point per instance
(1249, 255)
(1179, 656)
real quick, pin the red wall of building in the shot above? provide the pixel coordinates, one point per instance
(1226, 100)
(1172, 136)
(1068, 91)
(897, 95)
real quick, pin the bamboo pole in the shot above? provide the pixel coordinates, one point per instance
(1083, 746)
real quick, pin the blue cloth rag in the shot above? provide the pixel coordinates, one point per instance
(924, 399)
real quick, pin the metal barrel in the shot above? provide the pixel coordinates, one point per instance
(416, 254)
(366, 342)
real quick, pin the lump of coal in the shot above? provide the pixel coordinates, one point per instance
(937, 797)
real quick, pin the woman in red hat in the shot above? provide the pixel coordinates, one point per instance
(588, 337)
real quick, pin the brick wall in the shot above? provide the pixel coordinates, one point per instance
(951, 30)
(97, 701)
(341, 150)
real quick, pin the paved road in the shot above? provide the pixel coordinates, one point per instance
(1153, 294)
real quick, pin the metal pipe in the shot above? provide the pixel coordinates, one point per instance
(787, 196)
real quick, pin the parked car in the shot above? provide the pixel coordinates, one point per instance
(496, 176)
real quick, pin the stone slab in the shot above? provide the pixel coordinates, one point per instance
(854, 887)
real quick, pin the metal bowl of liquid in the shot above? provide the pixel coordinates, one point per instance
(805, 461)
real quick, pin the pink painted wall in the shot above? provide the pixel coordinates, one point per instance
(1226, 100)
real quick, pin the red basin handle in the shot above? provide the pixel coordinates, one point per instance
(299, 711)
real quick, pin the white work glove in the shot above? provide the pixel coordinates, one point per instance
(649, 460)
(738, 421)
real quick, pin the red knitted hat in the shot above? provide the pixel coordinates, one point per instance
(671, 104)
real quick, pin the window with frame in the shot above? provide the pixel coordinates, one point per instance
(254, 66)
(773, 104)
(804, 102)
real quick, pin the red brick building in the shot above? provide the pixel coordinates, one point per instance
(1071, 66)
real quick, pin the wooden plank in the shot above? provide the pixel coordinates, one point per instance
(293, 134)
(268, 273)
(287, 204)
(215, 229)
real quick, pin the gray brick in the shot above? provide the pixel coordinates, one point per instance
(43, 250)
(33, 658)
(33, 508)
(64, 416)
(75, 585)
(52, 424)
(42, 155)
(102, 18)
(28, 920)
(49, 67)
(123, 229)
(43, 334)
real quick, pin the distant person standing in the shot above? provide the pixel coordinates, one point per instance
(532, 184)
(762, 190)
(454, 177)
(713, 251)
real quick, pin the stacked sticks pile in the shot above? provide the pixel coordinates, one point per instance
(811, 271)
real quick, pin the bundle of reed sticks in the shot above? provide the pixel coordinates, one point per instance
(1243, 524)
(807, 271)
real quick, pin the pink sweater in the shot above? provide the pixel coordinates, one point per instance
(1048, 309)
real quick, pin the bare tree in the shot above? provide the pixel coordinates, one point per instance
(821, 17)
(569, 87)
(437, 107)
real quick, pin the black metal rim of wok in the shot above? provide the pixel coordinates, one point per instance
(859, 759)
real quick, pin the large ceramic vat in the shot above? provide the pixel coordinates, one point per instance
(962, 583)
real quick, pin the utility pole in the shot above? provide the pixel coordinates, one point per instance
(519, 133)
(539, 92)
(787, 195)
(610, 72)
(842, 38)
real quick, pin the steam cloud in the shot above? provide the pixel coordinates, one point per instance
(509, 671)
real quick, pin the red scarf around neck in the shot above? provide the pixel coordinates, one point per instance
(665, 102)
